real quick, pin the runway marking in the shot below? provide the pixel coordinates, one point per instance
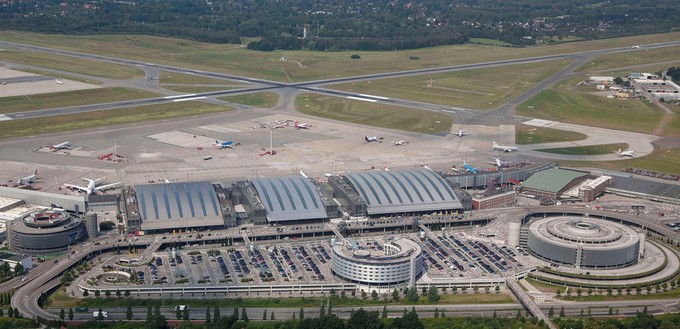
(179, 96)
(5, 118)
(188, 99)
(372, 96)
(539, 123)
(362, 99)
(449, 111)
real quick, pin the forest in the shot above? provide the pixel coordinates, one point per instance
(346, 24)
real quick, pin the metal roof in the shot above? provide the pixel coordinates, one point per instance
(400, 191)
(650, 187)
(178, 205)
(551, 180)
(289, 198)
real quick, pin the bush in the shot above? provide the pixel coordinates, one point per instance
(106, 226)
(355, 56)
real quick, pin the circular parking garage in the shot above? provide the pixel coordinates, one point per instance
(400, 261)
(45, 231)
(584, 242)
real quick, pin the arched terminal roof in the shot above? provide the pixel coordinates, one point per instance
(289, 198)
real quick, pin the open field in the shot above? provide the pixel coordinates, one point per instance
(525, 134)
(195, 88)
(71, 98)
(489, 42)
(373, 114)
(263, 100)
(665, 161)
(587, 150)
(60, 76)
(562, 102)
(68, 122)
(180, 78)
(314, 65)
(481, 89)
(640, 57)
(70, 64)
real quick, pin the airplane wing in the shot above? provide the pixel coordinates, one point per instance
(107, 186)
(82, 188)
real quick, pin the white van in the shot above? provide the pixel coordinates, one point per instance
(105, 314)
(181, 308)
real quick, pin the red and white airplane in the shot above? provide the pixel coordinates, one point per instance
(302, 125)
(61, 146)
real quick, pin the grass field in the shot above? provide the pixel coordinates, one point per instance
(181, 78)
(60, 76)
(314, 65)
(52, 124)
(587, 150)
(373, 114)
(665, 161)
(195, 88)
(70, 64)
(565, 103)
(633, 58)
(70, 98)
(489, 42)
(525, 134)
(482, 89)
(262, 100)
(59, 300)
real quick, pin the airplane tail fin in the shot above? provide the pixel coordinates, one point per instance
(619, 151)
(494, 144)
(36, 172)
(50, 146)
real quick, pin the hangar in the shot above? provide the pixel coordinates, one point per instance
(290, 198)
(176, 205)
(404, 191)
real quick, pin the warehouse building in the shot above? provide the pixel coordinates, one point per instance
(418, 191)
(552, 183)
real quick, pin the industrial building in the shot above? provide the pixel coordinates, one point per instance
(589, 189)
(13, 260)
(292, 198)
(400, 262)
(417, 191)
(495, 199)
(44, 232)
(552, 183)
(75, 204)
(584, 242)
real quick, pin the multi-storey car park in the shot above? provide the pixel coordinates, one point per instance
(43, 232)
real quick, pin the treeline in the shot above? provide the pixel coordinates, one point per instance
(674, 73)
(346, 24)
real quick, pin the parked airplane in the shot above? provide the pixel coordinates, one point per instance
(499, 162)
(59, 82)
(28, 179)
(461, 133)
(301, 125)
(504, 148)
(92, 187)
(371, 139)
(629, 153)
(400, 143)
(222, 145)
(60, 146)
(469, 167)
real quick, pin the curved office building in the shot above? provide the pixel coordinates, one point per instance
(401, 261)
(583, 242)
(44, 232)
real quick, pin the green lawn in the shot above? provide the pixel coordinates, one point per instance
(195, 88)
(58, 123)
(181, 78)
(587, 150)
(313, 65)
(525, 134)
(632, 58)
(665, 161)
(60, 76)
(565, 102)
(481, 89)
(71, 64)
(489, 42)
(373, 114)
(70, 98)
(262, 100)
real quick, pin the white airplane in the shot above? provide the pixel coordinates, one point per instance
(302, 125)
(504, 148)
(92, 187)
(499, 162)
(461, 133)
(400, 143)
(371, 138)
(223, 145)
(59, 82)
(629, 153)
(28, 179)
(61, 146)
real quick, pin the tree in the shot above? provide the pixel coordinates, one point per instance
(330, 308)
(107, 293)
(374, 295)
(62, 314)
(395, 295)
(581, 315)
(562, 314)
(178, 313)
(363, 294)
(455, 290)
(244, 315)
(302, 313)
(128, 313)
(106, 226)
(442, 315)
(384, 312)
(558, 292)
(216, 313)
(342, 294)
(18, 269)
(432, 294)
(271, 316)
(590, 291)
(519, 313)
(498, 289)
(235, 315)
(408, 321)
(611, 311)
(609, 291)
(185, 314)
(86, 293)
(355, 56)
(127, 293)
(487, 289)
(293, 316)
(97, 293)
(551, 312)
(70, 313)
(495, 315)
(579, 292)
(364, 320)
(207, 314)
(436, 312)
(264, 314)
(618, 81)
(644, 310)
(412, 294)
(100, 314)
(589, 312)
(638, 290)
(149, 314)
(475, 289)
(464, 289)
(118, 293)
(657, 288)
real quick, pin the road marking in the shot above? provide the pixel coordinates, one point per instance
(179, 96)
(449, 111)
(188, 99)
(372, 96)
(362, 99)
